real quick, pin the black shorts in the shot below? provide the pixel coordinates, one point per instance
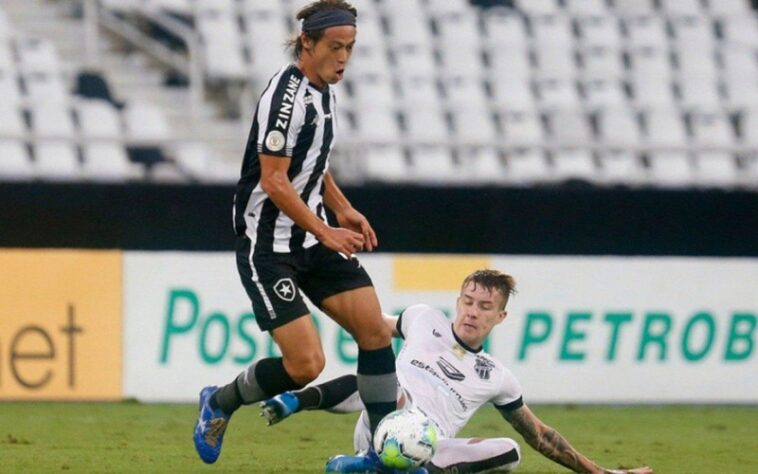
(275, 281)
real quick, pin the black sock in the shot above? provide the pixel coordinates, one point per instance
(262, 379)
(377, 383)
(328, 394)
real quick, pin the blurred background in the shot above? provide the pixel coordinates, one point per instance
(603, 151)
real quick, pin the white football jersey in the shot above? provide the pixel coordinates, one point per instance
(445, 379)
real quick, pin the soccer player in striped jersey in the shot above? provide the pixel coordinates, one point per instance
(286, 248)
(444, 373)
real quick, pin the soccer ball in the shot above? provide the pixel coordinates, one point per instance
(405, 439)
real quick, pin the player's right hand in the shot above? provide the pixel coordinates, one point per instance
(341, 240)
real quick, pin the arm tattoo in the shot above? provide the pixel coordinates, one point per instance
(545, 440)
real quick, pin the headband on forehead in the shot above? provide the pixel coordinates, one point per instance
(327, 18)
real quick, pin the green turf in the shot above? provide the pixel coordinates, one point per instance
(131, 437)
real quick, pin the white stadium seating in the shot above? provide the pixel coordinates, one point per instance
(629, 92)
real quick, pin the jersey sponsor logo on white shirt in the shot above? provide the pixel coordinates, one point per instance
(288, 102)
(450, 370)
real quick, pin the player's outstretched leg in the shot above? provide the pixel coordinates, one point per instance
(277, 408)
(210, 427)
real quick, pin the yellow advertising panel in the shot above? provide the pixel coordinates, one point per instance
(60, 325)
(434, 272)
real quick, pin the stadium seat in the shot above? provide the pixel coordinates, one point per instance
(527, 166)
(507, 64)
(634, 7)
(696, 62)
(716, 168)
(664, 128)
(619, 128)
(37, 56)
(651, 62)
(645, 31)
(419, 91)
(554, 62)
(671, 168)
(377, 125)
(459, 29)
(368, 60)
(98, 119)
(16, 165)
(522, 129)
(569, 128)
(464, 93)
(551, 31)
(621, 167)
(45, 88)
(7, 62)
(698, 92)
(749, 127)
(179, 7)
(108, 162)
(692, 31)
(601, 62)
(652, 92)
(374, 91)
(515, 94)
(426, 125)
(56, 161)
(680, 8)
(505, 31)
(145, 121)
(434, 164)
(408, 25)
(586, 7)
(729, 8)
(386, 163)
(482, 164)
(266, 35)
(738, 63)
(556, 92)
(9, 88)
(441, 8)
(474, 125)
(6, 30)
(599, 93)
(52, 121)
(461, 60)
(371, 33)
(538, 7)
(599, 31)
(711, 129)
(741, 92)
(12, 124)
(740, 30)
(413, 60)
(574, 164)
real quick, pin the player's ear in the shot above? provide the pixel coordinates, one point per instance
(502, 315)
(306, 42)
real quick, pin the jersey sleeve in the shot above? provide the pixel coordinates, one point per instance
(509, 395)
(280, 115)
(411, 315)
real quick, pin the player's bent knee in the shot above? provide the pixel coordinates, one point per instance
(373, 338)
(306, 369)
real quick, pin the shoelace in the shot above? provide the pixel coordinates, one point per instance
(216, 431)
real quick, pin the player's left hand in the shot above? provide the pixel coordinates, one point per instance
(357, 222)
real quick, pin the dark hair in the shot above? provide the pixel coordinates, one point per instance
(321, 5)
(493, 280)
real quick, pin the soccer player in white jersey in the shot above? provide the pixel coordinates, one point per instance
(286, 247)
(444, 373)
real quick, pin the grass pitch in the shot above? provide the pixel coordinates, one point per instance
(132, 437)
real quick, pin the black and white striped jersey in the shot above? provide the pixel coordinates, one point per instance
(293, 119)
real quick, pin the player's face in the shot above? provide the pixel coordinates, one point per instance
(477, 312)
(327, 59)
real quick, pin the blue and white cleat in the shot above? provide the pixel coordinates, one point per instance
(277, 408)
(209, 428)
(368, 463)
